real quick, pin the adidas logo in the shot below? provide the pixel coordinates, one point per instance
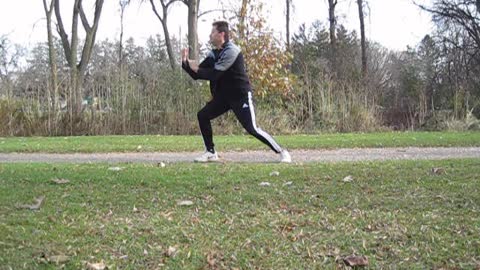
(245, 105)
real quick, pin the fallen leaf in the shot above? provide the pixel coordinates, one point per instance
(353, 260)
(60, 181)
(211, 260)
(58, 259)
(288, 183)
(171, 252)
(185, 203)
(36, 206)
(264, 184)
(115, 169)
(274, 173)
(214, 260)
(168, 215)
(438, 171)
(96, 266)
(348, 179)
(135, 209)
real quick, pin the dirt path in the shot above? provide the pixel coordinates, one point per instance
(357, 154)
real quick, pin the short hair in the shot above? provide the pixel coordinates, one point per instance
(222, 26)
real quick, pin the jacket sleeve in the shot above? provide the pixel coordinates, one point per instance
(206, 63)
(226, 60)
(190, 72)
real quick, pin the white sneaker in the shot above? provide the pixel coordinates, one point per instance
(207, 157)
(286, 158)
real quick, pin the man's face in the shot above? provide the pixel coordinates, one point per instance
(216, 38)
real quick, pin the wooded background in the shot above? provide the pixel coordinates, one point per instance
(318, 78)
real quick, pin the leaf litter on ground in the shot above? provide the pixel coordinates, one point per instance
(185, 203)
(60, 181)
(354, 260)
(35, 206)
(96, 266)
(438, 171)
(275, 173)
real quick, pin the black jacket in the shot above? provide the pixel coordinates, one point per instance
(225, 69)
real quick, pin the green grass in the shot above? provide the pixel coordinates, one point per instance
(398, 214)
(89, 144)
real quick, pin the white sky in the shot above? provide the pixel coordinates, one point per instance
(393, 23)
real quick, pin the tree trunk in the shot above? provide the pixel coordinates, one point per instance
(75, 104)
(163, 21)
(362, 38)
(333, 37)
(168, 43)
(287, 26)
(123, 5)
(52, 59)
(193, 6)
(241, 23)
(333, 22)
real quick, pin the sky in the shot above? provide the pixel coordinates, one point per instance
(395, 24)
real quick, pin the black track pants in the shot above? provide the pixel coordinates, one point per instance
(244, 112)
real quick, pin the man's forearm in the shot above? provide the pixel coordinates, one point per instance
(210, 74)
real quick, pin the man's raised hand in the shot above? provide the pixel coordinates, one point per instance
(184, 55)
(193, 64)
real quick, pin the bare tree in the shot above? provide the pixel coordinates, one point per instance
(9, 62)
(52, 55)
(458, 12)
(458, 25)
(163, 20)
(361, 16)
(78, 68)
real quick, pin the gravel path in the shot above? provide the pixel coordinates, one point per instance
(357, 154)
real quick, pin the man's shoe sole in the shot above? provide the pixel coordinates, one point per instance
(207, 161)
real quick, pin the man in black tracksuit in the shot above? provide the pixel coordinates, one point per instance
(224, 67)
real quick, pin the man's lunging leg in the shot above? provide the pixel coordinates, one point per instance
(246, 115)
(212, 110)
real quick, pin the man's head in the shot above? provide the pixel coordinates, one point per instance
(219, 34)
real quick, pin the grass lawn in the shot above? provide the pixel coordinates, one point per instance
(401, 215)
(152, 143)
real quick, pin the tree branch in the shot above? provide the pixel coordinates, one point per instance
(91, 34)
(154, 8)
(173, 1)
(61, 32)
(85, 23)
(209, 11)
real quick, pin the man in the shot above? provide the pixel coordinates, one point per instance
(224, 67)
